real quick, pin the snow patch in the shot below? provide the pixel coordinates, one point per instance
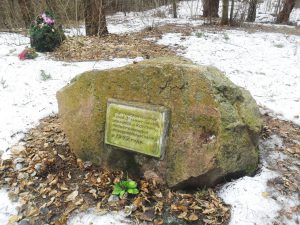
(92, 217)
(249, 206)
(26, 96)
(7, 208)
(252, 200)
(266, 64)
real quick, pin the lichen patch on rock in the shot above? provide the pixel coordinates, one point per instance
(214, 124)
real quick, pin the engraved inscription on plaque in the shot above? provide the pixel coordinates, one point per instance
(137, 127)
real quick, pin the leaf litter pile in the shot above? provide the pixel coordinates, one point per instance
(83, 48)
(288, 166)
(50, 184)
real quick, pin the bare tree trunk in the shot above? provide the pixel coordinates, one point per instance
(2, 14)
(277, 7)
(231, 12)
(174, 8)
(95, 21)
(216, 7)
(206, 8)
(284, 15)
(224, 20)
(252, 11)
(27, 11)
(11, 13)
(210, 8)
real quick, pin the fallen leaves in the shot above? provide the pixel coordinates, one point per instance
(72, 196)
(204, 204)
(287, 184)
(193, 217)
(83, 48)
(265, 194)
(13, 219)
(53, 183)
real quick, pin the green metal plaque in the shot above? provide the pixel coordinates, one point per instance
(137, 127)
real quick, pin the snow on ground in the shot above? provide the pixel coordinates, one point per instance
(189, 13)
(92, 217)
(250, 196)
(120, 23)
(27, 95)
(7, 208)
(266, 64)
(248, 192)
(267, 10)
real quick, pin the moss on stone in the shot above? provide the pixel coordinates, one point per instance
(214, 124)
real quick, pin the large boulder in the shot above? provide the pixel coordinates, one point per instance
(213, 129)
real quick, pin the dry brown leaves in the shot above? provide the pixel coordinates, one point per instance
(289, 132)
(84, 48)
(51, 183)
(204, 206)
(288, 184)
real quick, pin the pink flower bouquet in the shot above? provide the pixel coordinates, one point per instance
(28, 53)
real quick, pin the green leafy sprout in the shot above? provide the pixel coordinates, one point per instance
(226, 37)
(199, 34)
(45, 76)
(123, 187)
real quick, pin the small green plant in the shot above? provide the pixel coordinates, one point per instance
(279, 45)
(226, 37)
(45, 76)
(3, 83)
(199, 34)
(123, 187)
(201, 193)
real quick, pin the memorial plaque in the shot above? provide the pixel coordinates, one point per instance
(137, 127)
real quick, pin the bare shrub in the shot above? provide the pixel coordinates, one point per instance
(69, 13)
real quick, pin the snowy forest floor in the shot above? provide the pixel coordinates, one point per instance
(50, 183)
(264, 59)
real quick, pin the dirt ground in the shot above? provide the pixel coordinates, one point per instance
(287, 183)
(51, 183)
(137, 44)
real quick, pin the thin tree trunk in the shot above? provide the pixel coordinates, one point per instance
(27, 11)
(206, 10)
(224, 20)
(231, 12)
(11, 17)
(277, 7)
(2, 14)
(210, 8)
(216, 8)
(95, 21)
(252, 11)
(174, 8)
(284, 15)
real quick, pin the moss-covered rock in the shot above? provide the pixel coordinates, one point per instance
(214, 125)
